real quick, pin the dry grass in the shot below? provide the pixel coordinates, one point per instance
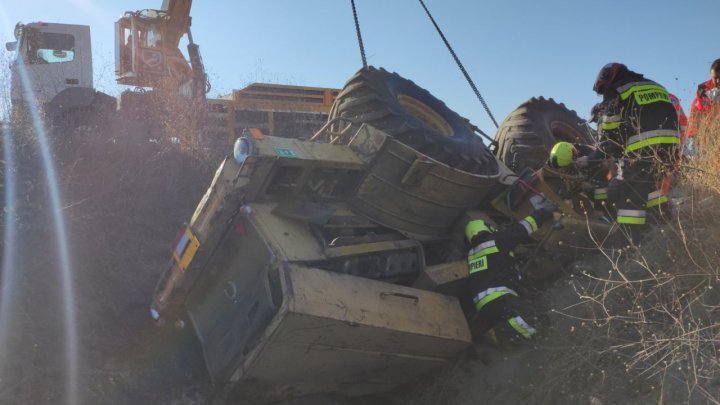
(703, 168)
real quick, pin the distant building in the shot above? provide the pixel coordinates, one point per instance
(278, 110)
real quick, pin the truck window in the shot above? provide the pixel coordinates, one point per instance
(48, 47)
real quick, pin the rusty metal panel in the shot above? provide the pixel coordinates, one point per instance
(340, 333)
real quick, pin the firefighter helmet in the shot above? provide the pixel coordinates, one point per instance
(607, 76)
(562, 154)
(475, 227)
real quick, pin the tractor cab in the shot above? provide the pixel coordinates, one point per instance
(147, 53)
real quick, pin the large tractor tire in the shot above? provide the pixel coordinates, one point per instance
(415, 117)
(527, 135)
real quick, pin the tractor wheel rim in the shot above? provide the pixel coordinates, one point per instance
(427, 115)
(563, 131)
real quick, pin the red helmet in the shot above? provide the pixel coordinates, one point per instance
(607, 75)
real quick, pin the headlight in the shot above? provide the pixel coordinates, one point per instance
(242, 149)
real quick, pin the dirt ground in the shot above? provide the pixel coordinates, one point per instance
(123, 203)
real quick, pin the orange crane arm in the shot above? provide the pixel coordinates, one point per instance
(178, 15)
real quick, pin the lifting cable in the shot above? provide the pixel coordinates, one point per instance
(357, 29)
(457, 60)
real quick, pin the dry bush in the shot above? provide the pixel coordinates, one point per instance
(137, 185)
(703, 168)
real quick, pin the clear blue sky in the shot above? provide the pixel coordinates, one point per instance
(513, 49)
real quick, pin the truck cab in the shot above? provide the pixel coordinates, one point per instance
(51, 58)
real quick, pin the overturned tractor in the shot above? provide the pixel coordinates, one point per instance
(336, 263)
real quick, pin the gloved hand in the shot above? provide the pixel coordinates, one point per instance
(582, 162)
(541, 203)
(713, 94)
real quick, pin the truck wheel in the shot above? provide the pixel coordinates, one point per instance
(413, 116)
(527, 135)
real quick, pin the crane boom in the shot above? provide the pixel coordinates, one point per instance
(178, 15)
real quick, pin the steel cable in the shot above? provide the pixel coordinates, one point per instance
(460, 65)
(359, 36)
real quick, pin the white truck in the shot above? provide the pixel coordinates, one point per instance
(53, 68)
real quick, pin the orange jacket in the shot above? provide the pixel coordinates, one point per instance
(682, 118)
(700, 106)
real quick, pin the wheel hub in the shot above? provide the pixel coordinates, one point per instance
(563, 131)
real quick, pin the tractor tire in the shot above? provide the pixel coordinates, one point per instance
(413, 116)
(527, 135)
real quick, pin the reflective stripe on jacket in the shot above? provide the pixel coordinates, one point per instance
(650, 138)
(484, 297)
(631, 217)
(522, 327)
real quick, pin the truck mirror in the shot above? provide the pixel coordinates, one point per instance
(11, 46)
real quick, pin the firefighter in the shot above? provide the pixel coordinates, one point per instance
(639, 128)
(494, 276)
(563, 156)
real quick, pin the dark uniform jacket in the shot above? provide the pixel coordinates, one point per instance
(640, 127)
(639, 121)
(492, 267)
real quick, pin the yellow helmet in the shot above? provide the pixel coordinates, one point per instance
(476, 226)
(562, 154)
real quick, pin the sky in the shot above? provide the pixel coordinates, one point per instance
(513, 49)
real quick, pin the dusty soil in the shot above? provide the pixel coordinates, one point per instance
(123, 203)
